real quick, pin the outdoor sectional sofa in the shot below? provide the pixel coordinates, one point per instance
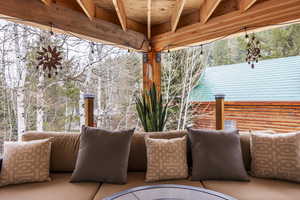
(63, 157)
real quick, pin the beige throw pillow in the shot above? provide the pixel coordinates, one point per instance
(276, 155)
(166, 159)
(25, 162)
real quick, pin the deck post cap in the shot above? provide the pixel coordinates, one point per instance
(219, 96)
(89, 96)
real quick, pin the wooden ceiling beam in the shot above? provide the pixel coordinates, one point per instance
(176, 14)
(259, 15)
(149, 19)
(47, 2)
(88, 7)
(69, 21)
(120, 9)
(207, 9)
(246, 4)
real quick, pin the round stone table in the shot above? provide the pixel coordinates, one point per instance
(168, 192)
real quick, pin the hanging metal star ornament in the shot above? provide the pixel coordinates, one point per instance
(49, 60)
(253, 50)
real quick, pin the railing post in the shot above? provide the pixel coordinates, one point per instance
(219, 111)
(152, 70)
(89, 109)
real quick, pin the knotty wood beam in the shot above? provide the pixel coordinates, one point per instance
(259, 15)
(246, 4)
(176, 14)
(88, 7)
(149, 19)
(120, 9)
(207, 9)
(47, 2)
(152, 70)
(66, 20)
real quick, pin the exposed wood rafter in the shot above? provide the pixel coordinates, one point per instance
(207, 9)
(246, 4)
(259, 15)
(47, 2)
(149, 19)
(120, 9)
(176, 14)
(88, 7)
(70, 21)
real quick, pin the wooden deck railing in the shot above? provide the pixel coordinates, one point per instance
(277, 116)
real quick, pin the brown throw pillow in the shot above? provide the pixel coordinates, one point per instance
(276, 155)
(166, 159)
(103, 156)
(25, 162)
(216, 155)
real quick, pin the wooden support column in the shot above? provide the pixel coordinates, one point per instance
(89, 109)
(152, 70)
(219, 111)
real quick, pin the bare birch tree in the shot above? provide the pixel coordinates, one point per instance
(20, 59)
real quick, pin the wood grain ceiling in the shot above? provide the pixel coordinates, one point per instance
(146, 24)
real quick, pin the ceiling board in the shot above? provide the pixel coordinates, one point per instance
(106, 4)
(225, 7)
(69, 4)
(161, 9)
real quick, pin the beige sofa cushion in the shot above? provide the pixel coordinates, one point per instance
(136, 179)
(57, 189)
(256, 189)
(64, 149)
(276, 155)
(25, 162)
(166, 159)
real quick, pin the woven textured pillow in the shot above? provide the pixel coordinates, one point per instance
(276, 155)
(64, 148)
(25, 162)
(166, 159)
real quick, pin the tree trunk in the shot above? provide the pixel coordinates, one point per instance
(22, 73)
(40, 105)
(186, 103)
(99, 98)
(81, 108)
(182, 101)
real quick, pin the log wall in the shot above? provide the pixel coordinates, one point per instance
(277, 116)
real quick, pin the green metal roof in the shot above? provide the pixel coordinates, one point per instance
(270, 80)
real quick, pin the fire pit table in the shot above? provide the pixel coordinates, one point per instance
(168, 192)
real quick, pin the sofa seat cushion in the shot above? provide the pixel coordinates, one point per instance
(136, 179)
(59, 189)
(256, 189)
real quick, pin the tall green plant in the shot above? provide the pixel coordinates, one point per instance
(151, 110)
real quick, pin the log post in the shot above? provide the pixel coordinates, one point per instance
(89, 109)
(152, 70)
(219, 111)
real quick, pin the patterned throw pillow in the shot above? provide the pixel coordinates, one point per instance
(276, 155)
(25, 162)
(166, 159)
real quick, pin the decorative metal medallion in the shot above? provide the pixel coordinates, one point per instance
(49, 61)
(253, 50)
